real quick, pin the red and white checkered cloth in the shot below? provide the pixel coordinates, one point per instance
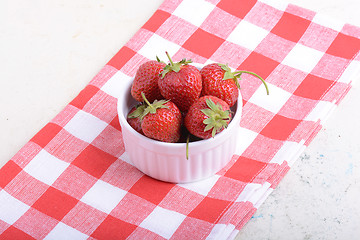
(74, 180)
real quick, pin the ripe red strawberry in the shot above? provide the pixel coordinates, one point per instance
(181, 83)
(146, 80)
(134, 117)
(220, 81)
(161, 121)
(208, 116)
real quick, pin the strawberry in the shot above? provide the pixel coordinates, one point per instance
(208, 116)
(220, 81)
(161, 121)
(146, 80)
(134, 117)
(181, 83)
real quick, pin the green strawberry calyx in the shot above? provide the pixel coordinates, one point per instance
(175, 67)
(152, 107)
(217, 118)
(236, 76)
(138, 112)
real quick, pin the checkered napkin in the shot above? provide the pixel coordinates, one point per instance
(74, 180)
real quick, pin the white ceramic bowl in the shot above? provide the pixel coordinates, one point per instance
(167, 161)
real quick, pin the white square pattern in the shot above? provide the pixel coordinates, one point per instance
(272, 102)
(245, 138)
(247, 35)
(11, 209)
(202, 187)
(194, 12)
(103, 196)
(162, 221)
(156, 46)
(116, 84)
(45, 167)
(329, 22)
(85, 126)
(63, 231)
(303, 58)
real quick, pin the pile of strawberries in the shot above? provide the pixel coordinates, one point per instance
(178, 102)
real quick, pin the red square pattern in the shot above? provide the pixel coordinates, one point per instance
(262, 149)
(94, 161)
(102, 106)
(84, 218)
(254, 117)
(291, 27)
(113, 228)
(103, 76)
(245, 169)
(74, 182)
(280, 47)
(36, 224)
(181, 200)
(115, 123)
(65, 115)
(15, 234)
(318, 37)
(226, 189)
(220, 23)
(139, 39)
(217, 206)
(280, 127)
(26, 154)
(192, 228)
(259, 64)
(110, 140)
(156, 20)
(44, 136)
(121, 57)
(84, 96)
(122, 175)
(132, 209)
(344, 46)
(330, 67)
(264, 15)
(203, 43)
(8, 172)
(238, 8)
(65, 146)
(171, 33)
(313, 87)
(151, 189)
(55, 203)
(286, 77)
(297, 107)
(231, 54)
(26, 188)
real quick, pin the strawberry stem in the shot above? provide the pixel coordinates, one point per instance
(187, 146)
(238, 73)
(171, 62)
(145, 99)
(151, 108)
(175, 67)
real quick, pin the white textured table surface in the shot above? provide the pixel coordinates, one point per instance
(50, 50)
